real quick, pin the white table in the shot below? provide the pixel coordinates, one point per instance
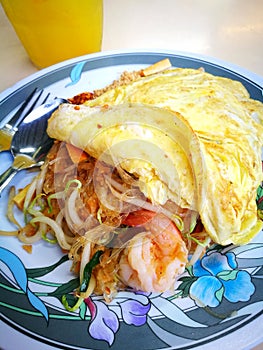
(231, 30)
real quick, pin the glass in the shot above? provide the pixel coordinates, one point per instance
(55, 30)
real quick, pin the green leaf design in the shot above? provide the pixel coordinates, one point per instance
(260, 197)
(65, 288)
(219, 294)
(189, 269)
(42, 271)
(215, 247)
(228, 275)
(186, 284)
(82, 311)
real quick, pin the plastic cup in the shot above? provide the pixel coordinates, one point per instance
(52, 31)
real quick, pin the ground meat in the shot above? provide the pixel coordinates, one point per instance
(81, 98)
(125, 78)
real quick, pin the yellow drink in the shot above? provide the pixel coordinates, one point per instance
(54, 30)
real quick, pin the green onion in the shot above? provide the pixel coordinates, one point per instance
(202, 244)
(99, 216)
(49, 240)
(30, 209)
(60, 195)
(71, 308)
(88, 270)
(33, 203)
(178, 222)
(85, 283)
(71, 182)
(57, 195)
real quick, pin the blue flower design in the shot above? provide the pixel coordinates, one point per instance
(217, 276)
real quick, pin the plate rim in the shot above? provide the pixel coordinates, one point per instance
(184, 54)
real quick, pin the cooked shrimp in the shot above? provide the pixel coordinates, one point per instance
(155, 258)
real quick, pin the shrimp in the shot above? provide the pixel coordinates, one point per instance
(153, 259)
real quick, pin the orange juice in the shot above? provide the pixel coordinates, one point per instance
(54, 30)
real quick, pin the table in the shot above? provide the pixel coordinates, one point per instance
(229, 30)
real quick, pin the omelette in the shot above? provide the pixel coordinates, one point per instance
(146, 141)
(188, 136)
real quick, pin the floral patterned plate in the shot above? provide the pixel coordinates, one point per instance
(217, 301)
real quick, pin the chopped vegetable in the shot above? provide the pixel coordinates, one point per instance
(27, 248)
(84, 286)
(138, 217)
(20, 197)
(49, 240)
(76, 154)
(71, 308)
(88, 270)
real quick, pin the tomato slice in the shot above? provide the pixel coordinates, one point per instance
(76, 154)
(138, 217)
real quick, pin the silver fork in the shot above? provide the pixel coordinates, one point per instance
(31, 142)
(35, 99)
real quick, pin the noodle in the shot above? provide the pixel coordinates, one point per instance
(23, 235)
(30, 193)
(10, 204)
(56, 228)
(9, 233)
(41, 179)
(142, 203)
(115, 236)
(71, 213)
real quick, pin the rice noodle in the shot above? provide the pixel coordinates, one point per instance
(55, 160)
(70, 168)
(100, 234)
(126, 177)
(142, 203)
(123, 197)
(76, 249)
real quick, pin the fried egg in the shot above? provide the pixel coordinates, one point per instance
(151, 143)
(229, 128)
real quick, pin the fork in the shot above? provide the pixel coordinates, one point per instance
(31, 143)
(35, 99)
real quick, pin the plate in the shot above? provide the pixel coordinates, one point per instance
(32, 284)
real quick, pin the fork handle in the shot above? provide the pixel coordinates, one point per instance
(7, 176)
